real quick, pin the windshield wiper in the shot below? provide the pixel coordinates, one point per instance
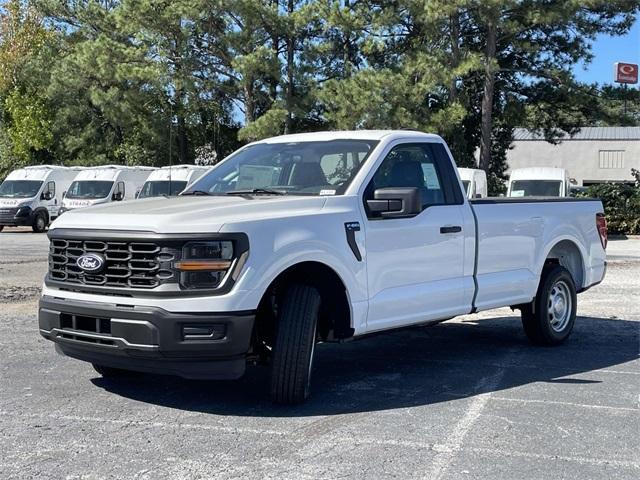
(196, 192)
(264, 191)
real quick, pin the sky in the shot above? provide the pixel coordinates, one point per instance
(607, 51)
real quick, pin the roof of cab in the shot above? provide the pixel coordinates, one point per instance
(376, 135)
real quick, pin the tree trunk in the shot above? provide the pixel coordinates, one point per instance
(487, 97)
(275, 46)
(290, 56)
(346, 47)
(455, 53)
(249, 104)
(183, 141)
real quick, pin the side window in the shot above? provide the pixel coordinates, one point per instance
(413, 165)
(119, 191)
(49, 191)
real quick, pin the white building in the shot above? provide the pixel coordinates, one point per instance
(593, 155)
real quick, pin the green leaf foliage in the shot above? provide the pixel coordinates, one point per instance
(148, 82)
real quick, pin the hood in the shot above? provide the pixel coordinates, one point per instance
(188, 214)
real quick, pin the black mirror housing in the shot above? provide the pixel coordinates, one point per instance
(117, 197)
(396, 202)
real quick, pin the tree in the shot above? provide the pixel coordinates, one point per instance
(533, 45)
(25, 113)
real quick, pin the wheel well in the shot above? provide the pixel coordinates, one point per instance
(335, 313)
(567, 254)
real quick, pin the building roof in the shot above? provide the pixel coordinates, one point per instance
(585, 133)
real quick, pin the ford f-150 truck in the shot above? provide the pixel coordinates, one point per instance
(308, 238)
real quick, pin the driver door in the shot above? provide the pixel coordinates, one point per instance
(49, 199)
(415, 264)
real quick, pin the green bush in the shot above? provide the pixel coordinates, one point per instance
(621, 206)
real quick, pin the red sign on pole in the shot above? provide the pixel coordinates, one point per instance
(625, 72)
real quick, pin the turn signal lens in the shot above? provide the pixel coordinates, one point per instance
(203, 265)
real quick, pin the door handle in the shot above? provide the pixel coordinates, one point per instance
(451, 229)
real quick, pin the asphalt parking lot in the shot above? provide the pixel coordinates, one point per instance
(464, 399)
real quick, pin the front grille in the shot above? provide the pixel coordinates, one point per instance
(7, 214)
(142, 264)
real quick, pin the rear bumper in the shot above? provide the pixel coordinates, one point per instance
(149, 339)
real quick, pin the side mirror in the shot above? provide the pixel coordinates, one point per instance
(46, 196)
(138, 193)
(64, 194)
(117, 196)
(397, 202)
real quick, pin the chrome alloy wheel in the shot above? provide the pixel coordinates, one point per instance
(559, 306)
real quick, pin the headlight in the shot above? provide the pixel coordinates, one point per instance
(204, 264)
(23, 211)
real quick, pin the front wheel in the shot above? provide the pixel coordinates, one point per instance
(39, 223)
(294, 346)
(549, 319)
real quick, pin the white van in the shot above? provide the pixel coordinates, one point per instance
(109, 183)
(170, 181)
(539, 182)
(32, 195)
(474, 181)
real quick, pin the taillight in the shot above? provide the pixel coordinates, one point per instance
(601, 225)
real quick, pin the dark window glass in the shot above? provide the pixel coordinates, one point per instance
(89, 189)
(535, 188)
(157, 188)
(413, 165)
(19, 188)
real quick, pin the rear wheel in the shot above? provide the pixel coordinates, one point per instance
(1, 227)
(549, 319)
(293, 351)
(39, 223)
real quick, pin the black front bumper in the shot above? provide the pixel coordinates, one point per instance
(15, 217)
(149, 339)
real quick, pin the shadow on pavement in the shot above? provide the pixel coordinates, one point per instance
(406, 368)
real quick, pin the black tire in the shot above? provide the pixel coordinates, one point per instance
(1, 227)
(294, 346)
(110, 372)
(548, 320)
(39, 223)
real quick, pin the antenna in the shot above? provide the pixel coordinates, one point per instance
(170, 142)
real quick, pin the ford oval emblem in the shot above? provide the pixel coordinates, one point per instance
(90, 262)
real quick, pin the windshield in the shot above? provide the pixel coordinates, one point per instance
(161, 187)
(465, 185)
(535, 188)
(89, 189)
(20, 188)
(305, 168)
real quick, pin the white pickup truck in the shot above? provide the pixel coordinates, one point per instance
(302, 239)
